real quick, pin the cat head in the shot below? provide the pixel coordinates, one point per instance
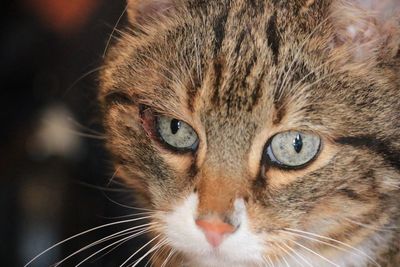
(259, 131)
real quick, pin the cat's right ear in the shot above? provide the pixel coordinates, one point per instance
(368, 30)
(142, 12)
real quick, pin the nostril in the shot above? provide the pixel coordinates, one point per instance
(215, 230)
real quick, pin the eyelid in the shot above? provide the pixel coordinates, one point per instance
(162, 111)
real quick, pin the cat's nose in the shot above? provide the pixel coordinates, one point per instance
(215, 230)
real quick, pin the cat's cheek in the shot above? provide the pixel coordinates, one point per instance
(181, 164)
(241, 248)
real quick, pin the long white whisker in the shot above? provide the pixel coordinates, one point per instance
(102, 188)
(129, 215)
(270, 260)
(172, 252)
(383, 229)
(154, 256)
(156, 247)
(288, 253)
(315, 253)
(114, 29)
(137, 251)
(119, 242)
(80, 79)
(113, 176)
(83, 233)
(266, 262)
(332, 240)
(77, 133)
(83, 127)
(105, 239)
(126, 206)
(298, 254)
(284, 259)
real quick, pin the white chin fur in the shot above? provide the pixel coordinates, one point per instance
(242, 248)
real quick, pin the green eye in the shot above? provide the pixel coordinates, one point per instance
(293, 149)
(177, 134)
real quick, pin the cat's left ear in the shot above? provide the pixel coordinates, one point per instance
(366, 29)
(142, 12)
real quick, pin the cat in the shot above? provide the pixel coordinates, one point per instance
(260, 132)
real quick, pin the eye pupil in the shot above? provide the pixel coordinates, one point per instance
(298, 143)
(175, 126)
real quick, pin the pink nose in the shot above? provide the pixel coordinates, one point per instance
(215, 230)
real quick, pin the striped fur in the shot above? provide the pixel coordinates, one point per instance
(240, 71)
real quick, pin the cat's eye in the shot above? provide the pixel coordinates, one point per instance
(293, 149)
(176, 134)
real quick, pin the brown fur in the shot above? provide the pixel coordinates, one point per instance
(226, 68)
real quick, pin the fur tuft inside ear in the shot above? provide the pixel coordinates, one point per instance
(367, 29)
(145, 11)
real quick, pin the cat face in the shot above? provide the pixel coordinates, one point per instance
(259, 132)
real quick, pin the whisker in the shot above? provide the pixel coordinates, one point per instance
(298, 254)
(284, 259)
(113, 176)
(315, 253)
(156, 247)
(270, 260)
(163, 67)
(171, 253)
(383, 229)
(102, 188)
(293, 257)
(128, 216)
(266, 262)
(113, 31)
(127, 206)
(80, 79)
(83, 233)
(336, 241)
(140, 249)
(119, 242)
(325, 243)
(83, 127)
(154, 256)
(114, 248)
(99, 242)
(77, 133)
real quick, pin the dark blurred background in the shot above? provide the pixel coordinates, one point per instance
(54, 171)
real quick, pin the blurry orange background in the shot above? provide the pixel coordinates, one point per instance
(63, 16)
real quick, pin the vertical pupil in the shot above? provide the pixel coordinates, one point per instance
(298, 143)
(175, 125)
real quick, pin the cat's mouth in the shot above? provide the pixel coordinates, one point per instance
(210, 241)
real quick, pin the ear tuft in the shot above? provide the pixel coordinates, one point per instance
(145, 11)
(367, 29)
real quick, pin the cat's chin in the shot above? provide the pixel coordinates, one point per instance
(216, 261)
(242, 248)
